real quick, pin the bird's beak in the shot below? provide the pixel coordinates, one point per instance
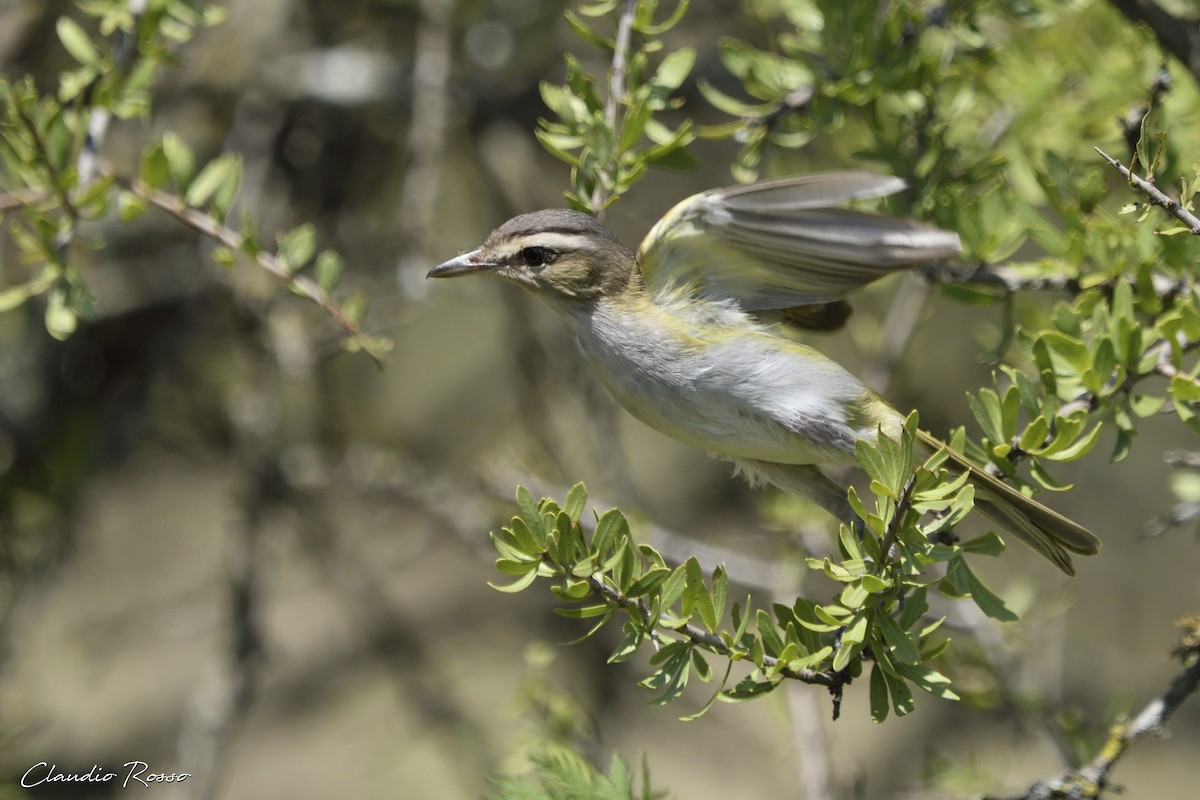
(462, 265)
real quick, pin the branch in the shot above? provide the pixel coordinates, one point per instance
(1091, 779)
(210, 227)
(834, 681)
(1154, 195)
(21, 198)
(616, 90)
(87, 163)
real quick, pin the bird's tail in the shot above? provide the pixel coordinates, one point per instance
(1046, 531)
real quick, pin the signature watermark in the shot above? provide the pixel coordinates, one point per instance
(132, 773)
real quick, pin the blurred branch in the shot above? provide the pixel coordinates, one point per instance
(87, 165)
(1179, 515)
(427, 136)
(21, 198)
(810, 745)
(1092, 779)
(1003, 664)
(208, 226)
(1177, 35)
(898, 328)
(220, 702)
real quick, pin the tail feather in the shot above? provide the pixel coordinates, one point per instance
(1043, 529)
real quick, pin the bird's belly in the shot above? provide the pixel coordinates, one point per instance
(682, 402)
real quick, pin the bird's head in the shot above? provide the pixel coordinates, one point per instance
(560, 255)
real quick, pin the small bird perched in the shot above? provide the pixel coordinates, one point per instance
(686, 333)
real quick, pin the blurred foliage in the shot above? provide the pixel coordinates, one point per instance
(53, 178)
(565, 775)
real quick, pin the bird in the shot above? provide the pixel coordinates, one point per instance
(690, 333)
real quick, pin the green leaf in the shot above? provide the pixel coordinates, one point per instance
(719, 594)
(181, 164)
(224, 256)
(154, 170)
(675, 68)
(210, 179)
(879, 694)
(297, 246)
(730, 105)
(584, 32)
(903, 648)
(1078, 449)
(610, 529)
(674, 587)
(715, 696)
(576, 501)
(964, 583)
(328, 269)
(643, 19)
(599, 9)
(648, 582)
(61, 319)
(77, 42)
(513, 567)
(634, 636)
(129, 206)
(928, 679)
(902, 698)
(985, 407)
(988, 544)
(517, 585)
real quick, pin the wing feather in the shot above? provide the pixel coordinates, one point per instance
(785, 243)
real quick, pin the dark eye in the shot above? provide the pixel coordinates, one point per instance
(537, 256)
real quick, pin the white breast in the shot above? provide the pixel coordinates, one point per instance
(707, 374)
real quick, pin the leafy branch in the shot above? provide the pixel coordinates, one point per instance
(53, 178)
(883, 574)
(216, 186)
(610, 143)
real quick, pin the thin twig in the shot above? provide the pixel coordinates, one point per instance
(1154, 195)
(616, 91)
(21, 198)
(898, 328)
(210, 227)
(87, 163)
(712, 641)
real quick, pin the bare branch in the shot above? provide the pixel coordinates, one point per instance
(1154, 195)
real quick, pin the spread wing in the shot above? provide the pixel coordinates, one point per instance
(786, 243)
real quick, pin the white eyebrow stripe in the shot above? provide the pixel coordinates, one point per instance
(549, 239)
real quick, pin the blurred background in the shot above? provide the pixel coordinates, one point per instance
(231, 550)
